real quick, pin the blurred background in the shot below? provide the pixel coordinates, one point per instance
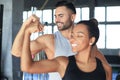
(14, 12)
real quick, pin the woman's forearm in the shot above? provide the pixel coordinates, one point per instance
(26, 58)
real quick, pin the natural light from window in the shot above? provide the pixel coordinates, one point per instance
(109, 32)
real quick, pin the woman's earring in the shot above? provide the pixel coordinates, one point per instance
(90, 43)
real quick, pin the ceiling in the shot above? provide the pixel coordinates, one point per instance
(47, 4)
(43, 4)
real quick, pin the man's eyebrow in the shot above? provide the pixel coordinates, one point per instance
(59, 14)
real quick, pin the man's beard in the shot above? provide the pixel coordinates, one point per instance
(65, 27)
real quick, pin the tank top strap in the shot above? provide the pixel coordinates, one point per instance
(72, 58)
(72, 62)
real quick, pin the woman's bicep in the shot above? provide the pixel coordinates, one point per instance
(43, 66)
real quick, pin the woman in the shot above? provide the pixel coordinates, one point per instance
(81, 66)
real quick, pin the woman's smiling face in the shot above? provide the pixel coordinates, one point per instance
(79, 38)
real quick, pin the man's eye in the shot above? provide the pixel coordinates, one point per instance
(61, 15)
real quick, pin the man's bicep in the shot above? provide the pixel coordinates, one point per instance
(36, 46)
(99, 54)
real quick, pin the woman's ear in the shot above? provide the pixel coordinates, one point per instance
(92, 40)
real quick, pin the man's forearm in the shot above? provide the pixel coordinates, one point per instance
(109, 73)
(18, 43)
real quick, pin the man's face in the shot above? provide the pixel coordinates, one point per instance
(63, 18)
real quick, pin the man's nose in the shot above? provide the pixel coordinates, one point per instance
(57, 19)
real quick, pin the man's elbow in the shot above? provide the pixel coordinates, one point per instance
(14, 53)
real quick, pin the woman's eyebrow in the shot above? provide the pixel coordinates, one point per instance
(80, 32)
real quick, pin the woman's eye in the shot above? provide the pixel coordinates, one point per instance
(79, 36)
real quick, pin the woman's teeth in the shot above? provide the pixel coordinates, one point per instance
(74, 45)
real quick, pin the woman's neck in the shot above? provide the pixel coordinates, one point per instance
(84, 56)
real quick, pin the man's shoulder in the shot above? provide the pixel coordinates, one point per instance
(46, 39)
(46, 36)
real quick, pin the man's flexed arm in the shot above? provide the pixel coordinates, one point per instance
(106, 65)
(35, 25)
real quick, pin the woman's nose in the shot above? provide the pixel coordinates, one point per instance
(71, 38)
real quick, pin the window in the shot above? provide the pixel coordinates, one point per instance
(101, 40)
(47, 29)
(82, 14)
(113, 13)
(25, 15)
(109, 25)
(47, 16)
(78, 15)
(113, 38)
(55, 28)
(85, 13)
(100, 13)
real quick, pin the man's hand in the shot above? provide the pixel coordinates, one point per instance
(30, 20)
(32, 24)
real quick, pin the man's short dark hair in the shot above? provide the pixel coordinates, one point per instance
(67, 4)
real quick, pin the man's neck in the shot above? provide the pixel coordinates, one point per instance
(66, 33)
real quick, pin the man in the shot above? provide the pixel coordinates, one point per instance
(53, 44)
